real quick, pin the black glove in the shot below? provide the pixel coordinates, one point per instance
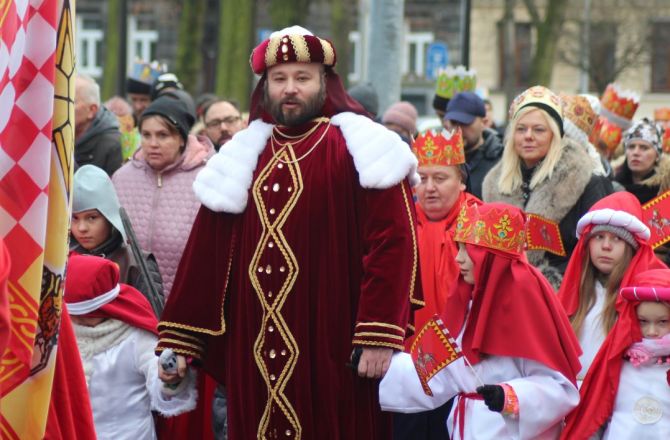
(355, 358)
(494, 396)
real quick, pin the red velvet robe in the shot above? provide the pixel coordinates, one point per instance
(271, 300)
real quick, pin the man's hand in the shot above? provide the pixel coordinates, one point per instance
(175, 377)
(375, 361)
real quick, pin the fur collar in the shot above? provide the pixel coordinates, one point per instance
(554, 197)
(661, 177)
(381, 158)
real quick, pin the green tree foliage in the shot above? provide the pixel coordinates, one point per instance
(341, 24)
(110, 74)
(189, 52)
(236, 31)
(285, 13)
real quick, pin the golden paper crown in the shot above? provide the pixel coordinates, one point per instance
(578, 110)
(455, 80)
(443, 148)
(492, 225)
(622, 103)
(662, 114)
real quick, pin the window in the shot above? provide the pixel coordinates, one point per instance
(89, 46)
(414, 49)
(522, 54)
(660, 57)
(142, 39)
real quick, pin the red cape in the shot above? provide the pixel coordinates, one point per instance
(514, 313)
(601, 384)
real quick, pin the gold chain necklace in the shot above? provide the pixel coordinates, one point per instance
(275, 154)
(318, 121)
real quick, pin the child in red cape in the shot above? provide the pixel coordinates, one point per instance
(513, 332)
(612, 247)
(626, 393)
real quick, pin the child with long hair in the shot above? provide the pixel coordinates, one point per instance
(626, 393)
(517, 377)
(612, 247)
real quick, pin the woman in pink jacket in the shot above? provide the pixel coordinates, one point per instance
(155, 185)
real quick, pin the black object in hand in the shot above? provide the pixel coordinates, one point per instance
(494, 396)
(355, 358)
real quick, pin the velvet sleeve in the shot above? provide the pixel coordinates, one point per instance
(194, 310)
(390, 287)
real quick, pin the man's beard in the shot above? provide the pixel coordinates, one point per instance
(306, 110)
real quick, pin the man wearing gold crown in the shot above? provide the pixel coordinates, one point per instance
(441, 194)
(304, 249)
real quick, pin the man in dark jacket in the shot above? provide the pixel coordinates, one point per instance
(483, 146)
(97, 135)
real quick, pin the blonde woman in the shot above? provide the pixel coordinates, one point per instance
(545, 173)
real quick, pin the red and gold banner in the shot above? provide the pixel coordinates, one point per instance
(656, 215)
(432, 350)
(543, 234)
(36, 150)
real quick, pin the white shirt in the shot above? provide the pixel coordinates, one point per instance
(642, 405)
(592, 335)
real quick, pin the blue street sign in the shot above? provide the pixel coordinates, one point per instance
(437, 57)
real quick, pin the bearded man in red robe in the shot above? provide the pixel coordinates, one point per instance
(304, 249)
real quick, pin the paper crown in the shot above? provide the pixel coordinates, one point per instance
(292, 45)
(147, 72)
(609, 134)
(662, 114)
(578, 110)
(619, 103)
(665, 143)
(492, 225)
(452, 80)
(443, 148)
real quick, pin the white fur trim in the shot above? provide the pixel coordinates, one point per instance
(89, 305)
(184, 400)
(223, 184)
(381, 158)
(611, 217)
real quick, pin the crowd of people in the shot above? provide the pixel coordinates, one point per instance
(307, 254)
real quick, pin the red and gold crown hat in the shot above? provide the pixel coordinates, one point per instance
(292, 45)
(619, 103)
(662, 114)
(493, 225)
(443, 148)
(578, 111)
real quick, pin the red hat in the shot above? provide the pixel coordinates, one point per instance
(650, 285)
(92, 290)
(493, 225)
(294, 44)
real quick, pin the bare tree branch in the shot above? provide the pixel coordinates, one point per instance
(533, 12)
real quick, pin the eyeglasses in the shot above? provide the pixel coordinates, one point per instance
(230, 120)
